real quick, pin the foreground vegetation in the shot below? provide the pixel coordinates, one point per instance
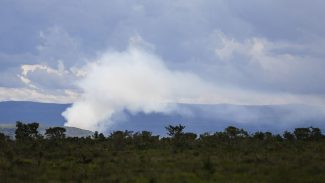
(229, 156)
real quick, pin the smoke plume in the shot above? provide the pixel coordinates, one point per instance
(134, 80)
(137, 80)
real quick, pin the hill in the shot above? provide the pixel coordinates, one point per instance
(45, 113)
(196, 118)
(9, 130)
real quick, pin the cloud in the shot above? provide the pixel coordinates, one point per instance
(183, 32)
(51, 73)
(57, 45)
(27, 94)
(260, 64)
(42, 83)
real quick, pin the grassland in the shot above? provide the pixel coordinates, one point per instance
(142, 157)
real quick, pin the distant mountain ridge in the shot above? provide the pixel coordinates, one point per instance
(46, 113)
(197, 118)
(9, 130)
(200, 118)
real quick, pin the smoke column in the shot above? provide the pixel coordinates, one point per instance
(137, 80)
(134, 80)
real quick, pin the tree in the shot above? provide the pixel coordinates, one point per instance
(26, 131)
(119, 139)
(288, 136)
(144, 139)
(268, 136)
(190, 137)
(316, 133)
(233, 132)
(96, 134)
(175, 131)
(121, 134)
(3, 137)
(302, 133)
(99, 136)
(55, 133)
(259, 135)
(278, 138)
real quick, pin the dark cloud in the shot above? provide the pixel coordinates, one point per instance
(186, 34)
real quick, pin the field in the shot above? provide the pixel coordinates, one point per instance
(141, 157)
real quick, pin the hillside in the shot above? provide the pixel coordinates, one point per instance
(9, 130)
(45, 113)
(196, 118)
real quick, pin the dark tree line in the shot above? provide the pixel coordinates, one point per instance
(29, 132)
(176, 135)
(231, 155)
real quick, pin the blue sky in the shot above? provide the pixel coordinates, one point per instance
(249, 52)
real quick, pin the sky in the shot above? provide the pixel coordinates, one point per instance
(140, 55)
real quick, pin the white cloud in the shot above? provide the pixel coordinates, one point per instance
(264, 64)
(46, 77)
(26, 69)
(28, 94)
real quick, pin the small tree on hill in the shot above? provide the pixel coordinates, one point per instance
(259, 135)
(98, 136)
(302, 133)
(175, 131)
(55, 133)
(3, 137)
(288, 136)
(233, 132)
(316, 133)
(26, 131)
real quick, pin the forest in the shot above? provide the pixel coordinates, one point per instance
(232, 155)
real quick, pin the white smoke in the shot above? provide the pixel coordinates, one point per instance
(134, 80)
(138, 81)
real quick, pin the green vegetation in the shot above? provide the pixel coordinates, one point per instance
(124, 156)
